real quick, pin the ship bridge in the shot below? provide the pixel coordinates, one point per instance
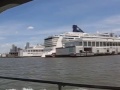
(7, 4)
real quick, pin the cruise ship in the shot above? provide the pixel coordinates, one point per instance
(35, 51)
(78, 42)
(91, 44)
(57, 41)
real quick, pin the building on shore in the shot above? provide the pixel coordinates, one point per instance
(27, 45)
(14, 51)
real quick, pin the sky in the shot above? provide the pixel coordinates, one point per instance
(36, 20)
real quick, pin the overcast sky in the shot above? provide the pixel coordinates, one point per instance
(34, 21)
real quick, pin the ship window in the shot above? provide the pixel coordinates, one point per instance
(116, 44)
(81, 51)
(71, 49)
(80, 43)
(89, 43)
(110, 43)
(107, 43)
(113, 43)
(85, 43)
(119, 43)
(97, 44)
(93, 43)
(101, 44)
(104, 43)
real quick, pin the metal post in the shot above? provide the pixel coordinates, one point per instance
(59, 87)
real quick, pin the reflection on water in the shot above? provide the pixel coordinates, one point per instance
(104, 70)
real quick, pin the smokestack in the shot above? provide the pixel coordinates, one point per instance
(77, 29)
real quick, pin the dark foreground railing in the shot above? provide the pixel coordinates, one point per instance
(62, 84)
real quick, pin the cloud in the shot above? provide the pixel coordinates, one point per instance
(11, 28)
(109, 24)
(2, 38)
(30, 27)
(4, 48)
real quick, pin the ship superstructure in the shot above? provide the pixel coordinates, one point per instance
(99, 43)
(91, 44)
(34, 51)
(57, 41)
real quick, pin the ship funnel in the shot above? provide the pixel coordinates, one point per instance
(77, 29)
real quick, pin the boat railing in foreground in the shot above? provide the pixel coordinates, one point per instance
(62, 84)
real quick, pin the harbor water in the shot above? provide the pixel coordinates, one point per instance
(100, 70)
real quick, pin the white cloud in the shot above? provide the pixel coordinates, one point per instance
(109, 24)
(30, 27)
(2, 38)
(4, 48)
(16, 32)
(113, 20)
(11, 28)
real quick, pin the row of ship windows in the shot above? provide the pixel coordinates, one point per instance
(33, 53)
(33, 50)
(51, 40)
(101, 43)
(85, 43)
(50, 45)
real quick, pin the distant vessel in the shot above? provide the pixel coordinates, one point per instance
(35, 51)
(57, 41)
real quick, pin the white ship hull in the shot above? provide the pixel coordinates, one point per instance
(35, 51)
(106, 43)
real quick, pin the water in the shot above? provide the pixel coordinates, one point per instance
(102, 70)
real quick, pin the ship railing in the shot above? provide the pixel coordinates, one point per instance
(62, 84)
